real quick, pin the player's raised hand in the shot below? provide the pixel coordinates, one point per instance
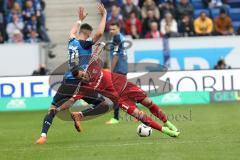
(82, 13)
(101, 9)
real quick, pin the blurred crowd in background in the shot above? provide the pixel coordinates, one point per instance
(174, 18)
(23, 21)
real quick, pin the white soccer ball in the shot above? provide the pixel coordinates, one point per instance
(144, 131)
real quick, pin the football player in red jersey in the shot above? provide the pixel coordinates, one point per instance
(120, 91)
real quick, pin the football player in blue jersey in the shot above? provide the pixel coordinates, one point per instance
(118, 58)
(79, 50)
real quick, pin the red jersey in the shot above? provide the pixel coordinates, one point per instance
(108, 84)
(112, 85)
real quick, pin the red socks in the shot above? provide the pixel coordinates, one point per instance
(150, 122)
(156, 111)
(143, 117)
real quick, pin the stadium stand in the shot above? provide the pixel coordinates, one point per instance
(234, 3)
(197, 4)
(60, 15)
(198, 11)
(58, 12)
(24, 21)
(214, 12)
(179, 8)
(235, 14)
(236, 25)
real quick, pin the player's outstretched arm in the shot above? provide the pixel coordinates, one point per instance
(101, 27)
(82, 14)
(114, 62)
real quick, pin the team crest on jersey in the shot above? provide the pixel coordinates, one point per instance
(94, 71)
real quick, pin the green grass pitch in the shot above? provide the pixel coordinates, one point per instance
(207, 132)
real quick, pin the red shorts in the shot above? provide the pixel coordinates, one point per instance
(131, 95)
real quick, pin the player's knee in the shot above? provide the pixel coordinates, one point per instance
(140, 115)
(143, 118)
(147, 102)
(106, 104)
(52, 111)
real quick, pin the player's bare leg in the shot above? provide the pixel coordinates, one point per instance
(147, 120)
(157, 111)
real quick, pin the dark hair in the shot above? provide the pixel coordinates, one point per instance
(222, 11)
(75, 70)
(221, 62)
(132, 12)
(86, 26)
(184, 15)
(203, 12)
(115, 23)
(115, 5)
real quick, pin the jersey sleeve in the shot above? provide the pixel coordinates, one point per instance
(87, 44)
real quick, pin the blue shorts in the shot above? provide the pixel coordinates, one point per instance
(68, 88)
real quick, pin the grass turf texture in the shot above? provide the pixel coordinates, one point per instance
(210, 132)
